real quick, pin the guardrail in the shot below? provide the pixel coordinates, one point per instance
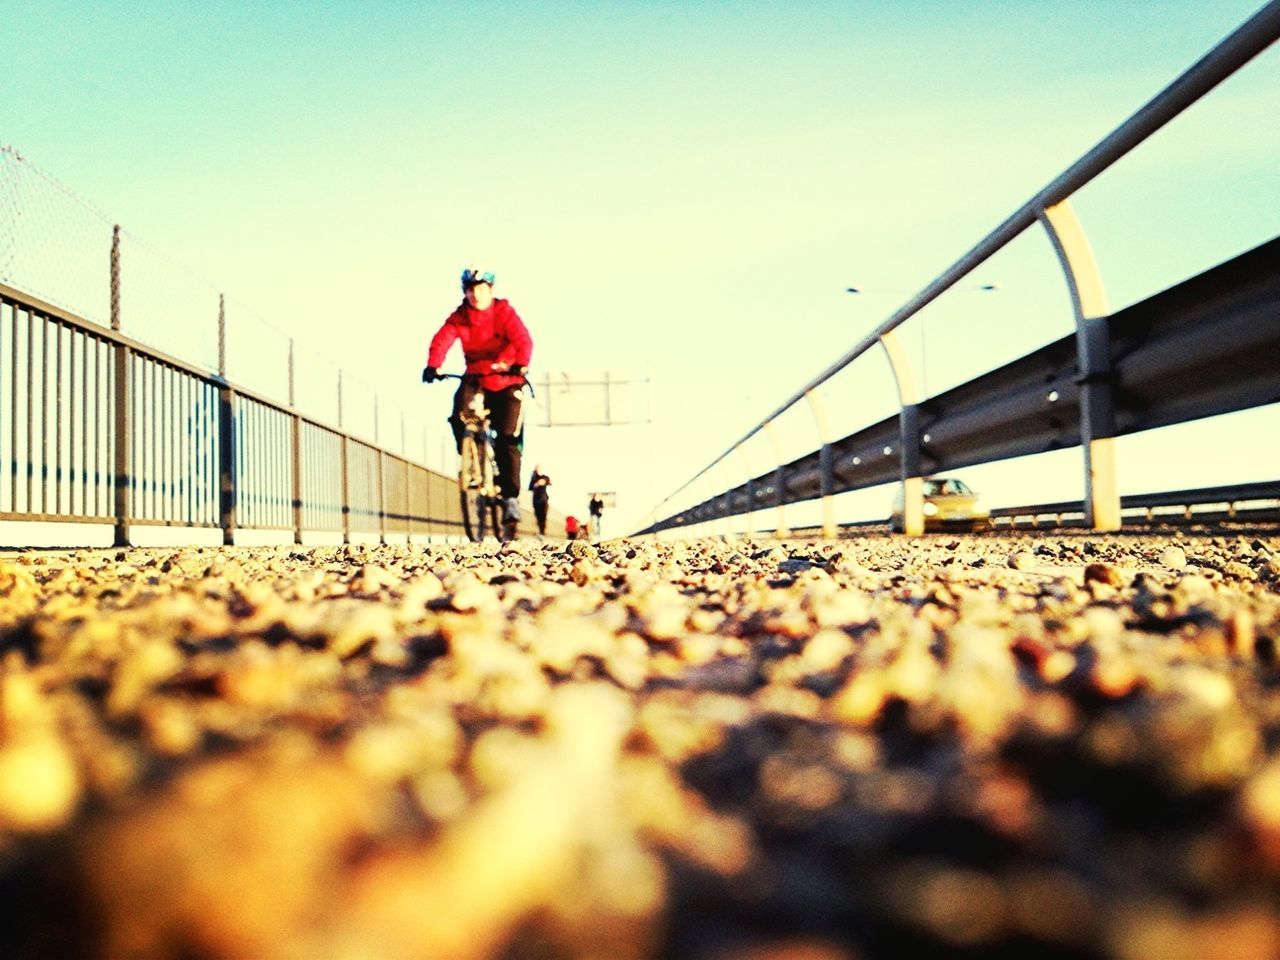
(101, 428)
(1204, 347)
(1235, 503)
(1241, 503)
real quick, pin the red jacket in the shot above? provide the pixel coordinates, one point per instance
(496, 334)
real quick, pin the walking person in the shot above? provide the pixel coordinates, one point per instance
(596, 509)
(497, 347)
(538, 483)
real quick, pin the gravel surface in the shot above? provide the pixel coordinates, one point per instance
(1059, 746)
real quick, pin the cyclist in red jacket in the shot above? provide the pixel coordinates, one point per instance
(498, 348)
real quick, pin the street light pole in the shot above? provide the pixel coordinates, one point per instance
(924, 366)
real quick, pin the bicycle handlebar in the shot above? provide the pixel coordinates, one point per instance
(462, 376)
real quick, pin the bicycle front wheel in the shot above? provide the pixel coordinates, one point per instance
(473, 492)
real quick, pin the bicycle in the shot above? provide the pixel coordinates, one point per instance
(478, 491)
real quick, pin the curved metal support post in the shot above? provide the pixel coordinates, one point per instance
(708, 506)
(1093, 351)
(826, 461)
(748, 527)
(726, 501)
(908, 434)
(781, 529)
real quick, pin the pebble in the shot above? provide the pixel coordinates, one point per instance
(1271, 568)
(640, 748)
(39, 784)
(1241, 571)
(1103, 573)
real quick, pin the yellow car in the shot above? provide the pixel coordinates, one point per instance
(948, 504)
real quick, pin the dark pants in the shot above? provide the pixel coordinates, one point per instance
(506, 417)
(540, 504)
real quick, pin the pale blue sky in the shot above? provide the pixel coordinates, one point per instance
(680, 188)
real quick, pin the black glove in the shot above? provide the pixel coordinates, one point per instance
(518, 370)
(430, 375)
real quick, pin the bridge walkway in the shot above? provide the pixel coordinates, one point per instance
(829, 749)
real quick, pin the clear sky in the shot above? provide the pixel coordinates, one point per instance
(675, 190)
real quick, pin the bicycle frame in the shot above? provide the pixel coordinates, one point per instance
(478, 471)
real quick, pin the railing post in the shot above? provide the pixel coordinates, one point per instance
(908, 435)
(408, 480)
(912, 481)
(779, 481)
(295, 445)
(749, 519)
(408, 501)
(382, 497)
(1093, 357)
(121, 355)
(726, 499)
(226, 436)
(382, 488)
(297, 476)
(222, 336)
(227, 463)
(346, 494)
(427, 485)
(346, 489)
(826, 466)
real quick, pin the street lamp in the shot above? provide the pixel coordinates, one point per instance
(924, 374)
(994, 285)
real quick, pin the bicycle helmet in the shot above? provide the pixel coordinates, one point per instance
(472, 275)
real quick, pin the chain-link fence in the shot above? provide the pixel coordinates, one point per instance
(57, 247)
(54, 244)
(166, 304)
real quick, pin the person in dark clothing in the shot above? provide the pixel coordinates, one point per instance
(596, 509)
(538, 483)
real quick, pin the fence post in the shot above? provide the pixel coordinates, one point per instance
(346, 488)
(1093, 357)
(749, 518)
(826, 462)
(911, 466)
(346, 495)
(121, 355)
(912, 482)
(382, 496)
(408, 502)
(428, 484)
(726, 499)
(226, 435)
(297, 477)
(227, 463)
(382, 488)
(295, 451)
(779, 481)
(408, 481)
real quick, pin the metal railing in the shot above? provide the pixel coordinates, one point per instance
(1117, 374)
(102, 428)
(1255, 504)
(1233, 503)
